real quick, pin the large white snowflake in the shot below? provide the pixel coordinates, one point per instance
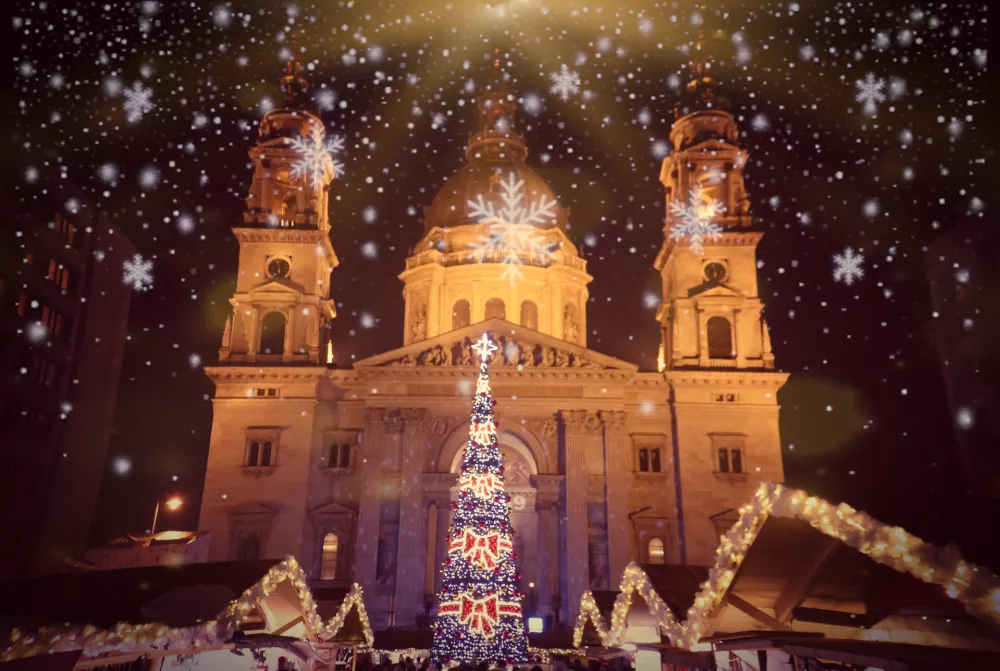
(138, 272)
(138, 101)
(565, 82)
(870, 93)
(847, 266)
(694, 220)
(511, 231)
(316, 157)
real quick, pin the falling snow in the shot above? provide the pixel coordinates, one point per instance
(847, 266)
(870, 93)
(138, 101)
(694, 221)
(565, 82)
(138, 272)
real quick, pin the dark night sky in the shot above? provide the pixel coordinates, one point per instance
(864, 417)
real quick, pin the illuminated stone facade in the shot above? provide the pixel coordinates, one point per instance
(353, 470)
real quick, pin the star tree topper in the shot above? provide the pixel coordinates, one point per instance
(484, 348)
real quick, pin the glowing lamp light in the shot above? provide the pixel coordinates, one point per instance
(174, 502)
(536, 625)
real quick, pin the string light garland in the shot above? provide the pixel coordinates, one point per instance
(975, 587)
(127, 638)
(479, 613)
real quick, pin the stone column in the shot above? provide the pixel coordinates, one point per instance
(702, 324)
(741, 354)
(430, 565)
(289, 344)
(618, 465)
(581, 427)
(369, 510)
(412, 522)
(547, 582)
(253, 338)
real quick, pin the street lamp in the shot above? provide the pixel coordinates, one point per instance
(172, 504)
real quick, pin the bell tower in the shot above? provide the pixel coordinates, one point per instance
(282, 308)
(715, 351)
(710, 316)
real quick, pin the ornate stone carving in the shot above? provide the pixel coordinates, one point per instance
(420, 324)
(438, 425)
(614, 420)
(415, 418)
(393, 422)
(582, 422)
(512, 354)
(373, 418)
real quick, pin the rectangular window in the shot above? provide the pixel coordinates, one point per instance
(729, 453)
(261, 448)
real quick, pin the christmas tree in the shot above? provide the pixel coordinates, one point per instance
(479, 612)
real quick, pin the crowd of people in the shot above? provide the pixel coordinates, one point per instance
(558, 664)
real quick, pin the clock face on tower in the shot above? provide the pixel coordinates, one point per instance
(278, 268)
(715, 272)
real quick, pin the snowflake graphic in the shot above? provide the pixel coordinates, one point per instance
(870, 93)
(316, 157)
(138, 272)
(565, 82)
(847, 266)
(138, 101)
(694, 220)
(511, 229)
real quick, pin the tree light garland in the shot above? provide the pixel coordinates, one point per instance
(975, 587)
(479, 613)
(127, 638)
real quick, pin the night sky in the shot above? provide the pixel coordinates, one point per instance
(864, 416)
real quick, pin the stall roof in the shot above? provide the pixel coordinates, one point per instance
(886, 656)
(176, 596)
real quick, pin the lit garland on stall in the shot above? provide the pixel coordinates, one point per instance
(975, 587)
(479, 606)
(126, 638)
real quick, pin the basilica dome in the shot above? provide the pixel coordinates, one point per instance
(494, 154)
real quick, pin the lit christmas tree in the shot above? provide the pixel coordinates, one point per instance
(479, 613)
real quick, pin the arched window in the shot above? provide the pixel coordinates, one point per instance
(461, 315)
(345, 455)
(736, 460)
(272, 333)
(655, 551)
(253, 453)
(265, 454)
(720, 338)
(248, 547)
(654, 460)
(723, 460)
(529, 315)
(644, 460)
(495, 308)
(328, 570)
(289, 206)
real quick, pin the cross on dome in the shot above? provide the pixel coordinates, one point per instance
(484, 348)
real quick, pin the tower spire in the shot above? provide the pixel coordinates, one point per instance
(293, 84)
(495, 137)
(701, 73)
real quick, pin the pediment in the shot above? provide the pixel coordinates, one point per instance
(332, 508)
(653, 514)
(275, 286)
(252, 509)
(714, 291)
(521, 348)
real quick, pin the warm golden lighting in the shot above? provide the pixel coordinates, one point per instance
(174, 502)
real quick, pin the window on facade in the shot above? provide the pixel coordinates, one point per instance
(644, 460)
(328, 569)
(655, 551)
(272, 333)
(720, 338)
(253, 453)
(461, 315)
(736, 460)
(495, 308)
(289, 206)
(339, 455)
(723, 460)
(248, 546)
(731, 460)
(265, 453)
(529, 315)
(654, 460)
